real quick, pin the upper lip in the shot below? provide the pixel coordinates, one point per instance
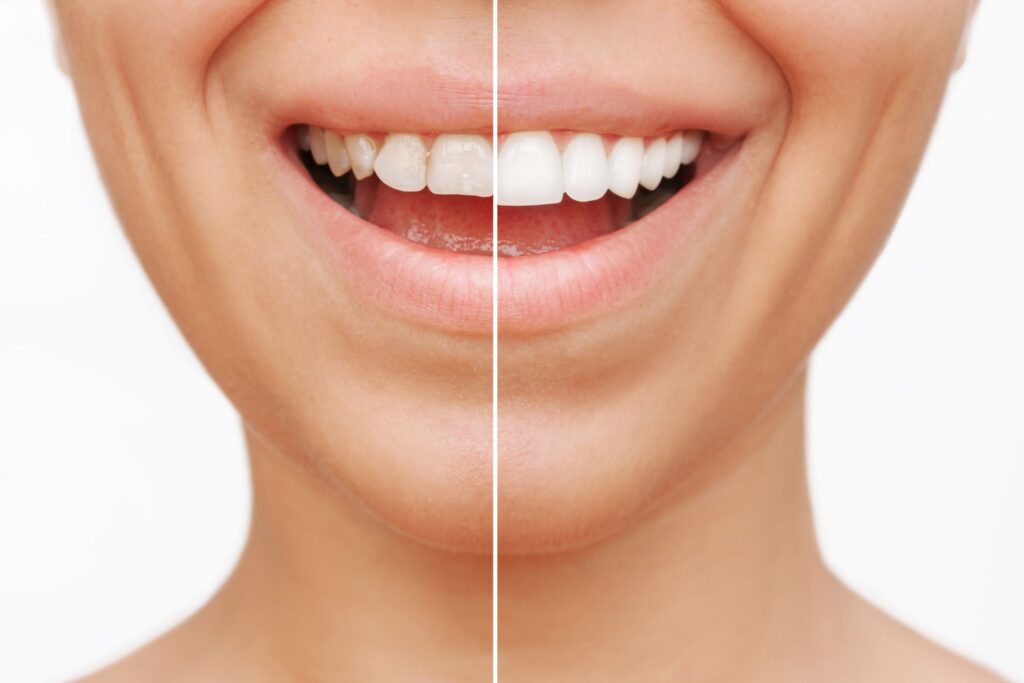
(598, 106)
(407, 100)
(453, 292)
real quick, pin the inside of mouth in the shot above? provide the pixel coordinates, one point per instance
(463, 224)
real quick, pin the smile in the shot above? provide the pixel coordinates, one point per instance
(600, 183)
(597, 196)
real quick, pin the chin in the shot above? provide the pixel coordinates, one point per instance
(430, 485)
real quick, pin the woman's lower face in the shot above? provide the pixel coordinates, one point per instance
(688, 193)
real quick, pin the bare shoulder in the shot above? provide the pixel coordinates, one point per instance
(159, 661)
(193, 652)
(894, 652)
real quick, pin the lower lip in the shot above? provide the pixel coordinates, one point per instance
(452, 292)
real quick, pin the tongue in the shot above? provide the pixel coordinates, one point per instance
(525, 230)
(463, 224)
(451, 222)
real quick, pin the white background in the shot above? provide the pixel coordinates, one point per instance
(123, 491)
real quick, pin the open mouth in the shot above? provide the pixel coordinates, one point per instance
(555, 189)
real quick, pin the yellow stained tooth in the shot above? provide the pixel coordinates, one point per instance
(460, 164)
(362, 152)
(317, 145)
(402, 162)
(337, 155)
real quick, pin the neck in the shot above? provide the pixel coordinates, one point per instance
(323, 587)
(723, 580)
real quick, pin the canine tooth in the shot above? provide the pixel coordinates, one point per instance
(529, 170)
(585, 167)
(362, 152)
(461, 164)
(692, 140)
(402, 162)
(317, 144)
(337, 155)
(302, 137)
(652, 168)
(673, 155)
(624, 166)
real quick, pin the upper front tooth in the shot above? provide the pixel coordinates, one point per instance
(529, 170)
(652, 169)
(624, 166)
(585, 167)
(691, 145)
(317, 145)
(337, 155)
(461, 164)
(673, 155)
(362, 152)
(402, 162)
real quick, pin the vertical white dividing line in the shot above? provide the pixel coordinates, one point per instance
(494, 342)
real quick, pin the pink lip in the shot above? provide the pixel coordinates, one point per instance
(613, 109)
(437, 288)
(452, 292)
(559, 288)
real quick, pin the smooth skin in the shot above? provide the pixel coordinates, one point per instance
(369, 437)
(659, 529)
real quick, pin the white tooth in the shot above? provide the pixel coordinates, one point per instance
(317, 145)
(402, 162)
(691, 146)
(673, 155)
(653, 166)
(302, 137)
(624, 166)
(585, 167)
(362, 152)
(529, 170)
(460, 164)
(337, 155)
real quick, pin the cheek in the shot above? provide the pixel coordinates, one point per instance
(175, 38)
(835, 44)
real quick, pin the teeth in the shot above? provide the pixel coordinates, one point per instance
(362, 152)
(673, 155)
(460, 164)
(317, 145)
(692, 140)
(624, 166)
(402, 162)
(529, 170)
(585, 168)
(652, 169)
(302, 135)
(337, 155)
